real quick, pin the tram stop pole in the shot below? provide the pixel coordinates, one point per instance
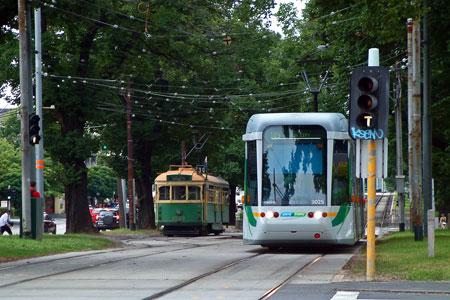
(373, 61)
(371, 176)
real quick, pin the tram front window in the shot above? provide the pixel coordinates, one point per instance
(194, 192)
(164, 193)
(178, 193)
(294, 166)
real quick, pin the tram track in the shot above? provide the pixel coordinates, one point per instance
(273, 290)
(266, 295)
(196, 278)
(94, 265)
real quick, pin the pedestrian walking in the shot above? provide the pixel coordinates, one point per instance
(443, 222)
(5, 223)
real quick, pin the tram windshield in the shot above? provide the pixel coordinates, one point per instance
(294, 165)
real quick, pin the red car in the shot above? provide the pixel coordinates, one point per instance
(94, 214)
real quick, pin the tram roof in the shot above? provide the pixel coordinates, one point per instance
(190, 171)
(330, 121)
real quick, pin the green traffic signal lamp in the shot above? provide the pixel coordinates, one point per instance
(104, 147)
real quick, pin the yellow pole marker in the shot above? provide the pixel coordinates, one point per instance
(372, 173)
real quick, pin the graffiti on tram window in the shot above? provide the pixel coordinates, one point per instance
(368, 134)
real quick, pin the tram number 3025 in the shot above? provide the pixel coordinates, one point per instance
(178, 218)
(318, 202)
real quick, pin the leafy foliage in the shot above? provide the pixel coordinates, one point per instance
(181, 80)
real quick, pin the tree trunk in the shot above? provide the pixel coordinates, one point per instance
(78, 218)
(146, 206)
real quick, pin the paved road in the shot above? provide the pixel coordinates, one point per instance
(212, 267)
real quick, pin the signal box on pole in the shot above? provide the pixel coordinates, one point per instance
(369, 103)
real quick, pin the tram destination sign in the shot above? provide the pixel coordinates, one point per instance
(179, 177)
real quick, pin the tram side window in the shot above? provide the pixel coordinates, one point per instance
(178, 193)
(194, 192)
(252, 178)
(164, 193)
(218, 196)
(340, 174)
(211, 195)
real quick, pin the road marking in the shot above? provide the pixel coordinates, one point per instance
(344, 295)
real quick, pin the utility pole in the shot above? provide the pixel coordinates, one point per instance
(130, 161)
(38, 76)
(25, 92)
(399, 149)
(415, 129)
(426, 133)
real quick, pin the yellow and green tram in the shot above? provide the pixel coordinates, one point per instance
(190, 203)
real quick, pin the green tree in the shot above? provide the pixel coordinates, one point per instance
(101, 183)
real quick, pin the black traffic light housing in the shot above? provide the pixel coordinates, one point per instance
(369, 103)
(34, 129)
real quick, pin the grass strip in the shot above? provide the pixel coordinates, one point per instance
(399, 257)
(13, 247)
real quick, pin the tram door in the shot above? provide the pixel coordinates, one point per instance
(217, 206)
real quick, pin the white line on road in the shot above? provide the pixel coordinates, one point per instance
(344, 295)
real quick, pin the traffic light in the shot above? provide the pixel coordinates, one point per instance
(104, 147)
(13, 195)
(369, 103)
(34, 129)
(9, 194)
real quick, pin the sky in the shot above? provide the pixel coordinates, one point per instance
(299, 4)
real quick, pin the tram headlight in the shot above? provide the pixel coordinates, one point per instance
(317, 214)
(269, 214)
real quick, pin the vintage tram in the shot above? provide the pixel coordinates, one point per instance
(190, 203)
(300, 184)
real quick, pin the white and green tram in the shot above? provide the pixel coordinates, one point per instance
(300, 185)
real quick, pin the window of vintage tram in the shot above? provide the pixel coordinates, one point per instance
(211, 195)
(218, 196)
(178, 192)
(194, 192)
(164, 193)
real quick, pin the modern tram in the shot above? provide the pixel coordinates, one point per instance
(300, 184)
(190, 203)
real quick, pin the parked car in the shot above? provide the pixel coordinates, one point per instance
(49, 224)
(108, 219)
(94, 214)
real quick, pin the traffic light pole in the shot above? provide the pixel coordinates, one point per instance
(371, 206)
(25, 103)
(368, 121)
(373, 61)
(38, 75)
